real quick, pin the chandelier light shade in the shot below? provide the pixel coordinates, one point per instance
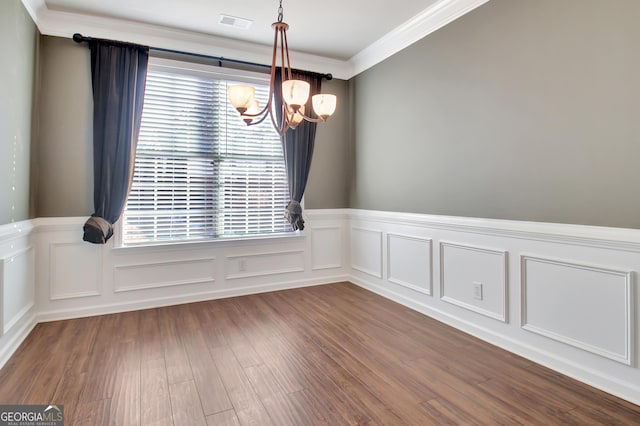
(295, 93)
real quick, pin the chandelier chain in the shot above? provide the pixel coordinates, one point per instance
(280, 12)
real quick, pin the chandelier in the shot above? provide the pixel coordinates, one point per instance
(295, 93)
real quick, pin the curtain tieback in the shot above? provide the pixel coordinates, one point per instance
(293, 213)
(97, 230)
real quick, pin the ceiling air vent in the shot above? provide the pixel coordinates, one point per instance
(235, 22)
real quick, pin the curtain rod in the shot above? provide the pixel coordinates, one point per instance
(79, 38)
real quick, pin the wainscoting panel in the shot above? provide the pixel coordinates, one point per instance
(366, 251)
(474, 278)
(409, 262)
(164, 274)
(589, 307)
(326, 247)
(75, 270)
(260, 264)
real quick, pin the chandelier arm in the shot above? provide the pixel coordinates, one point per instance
(278, 126)
(285, 68)
(286, 49)
(253, 123)
(311, 119)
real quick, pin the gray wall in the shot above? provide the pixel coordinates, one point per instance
(522, 109)
(330, 173)
(18, 47)
(65, 150)
(65, 175)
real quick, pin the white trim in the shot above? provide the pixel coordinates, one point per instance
(17, 317)
(65, 24)
(628, 357)
(158, 302)
(583, 235)
(12, 231)
(8, 349)
(119, 288)
(429, 20)
(263, 273)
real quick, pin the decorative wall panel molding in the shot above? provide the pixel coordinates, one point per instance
(267, 263)
(366, 251)
(75, 270)
(164, 274)
(474, 278)
(586, 306)
(409, 262)
(326, 247)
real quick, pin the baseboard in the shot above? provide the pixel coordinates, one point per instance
(7, 350)
(114, 308)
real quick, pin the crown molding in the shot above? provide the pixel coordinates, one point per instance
(429, 20)
(65, 24)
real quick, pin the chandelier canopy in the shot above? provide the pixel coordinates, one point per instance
(295, 93)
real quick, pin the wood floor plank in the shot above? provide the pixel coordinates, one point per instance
(125, 402)
(92, 413)
(185, 404)
(150, 336)
(246, 403)
(326, 355)
(27, 362)
(176, 359)
(155, 401)
(211, 391)
(223, 418)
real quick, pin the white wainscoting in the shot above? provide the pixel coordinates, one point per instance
(327, 247)
(474, 278)
(17, 287)
(561, 295)
(591, 307)
(564, 296)
(75, 270)
(409, 262)
(86, 279)
(366, 251)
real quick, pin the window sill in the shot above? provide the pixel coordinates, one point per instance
(209, 243)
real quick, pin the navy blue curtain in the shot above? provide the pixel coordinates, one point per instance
(118, 76)
(297, 147)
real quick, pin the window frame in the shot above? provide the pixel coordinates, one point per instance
(206, 71)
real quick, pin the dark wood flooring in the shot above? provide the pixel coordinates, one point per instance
(333, 355)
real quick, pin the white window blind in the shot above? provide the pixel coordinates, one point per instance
(200, 172)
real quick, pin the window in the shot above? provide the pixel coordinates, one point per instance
(200, 172)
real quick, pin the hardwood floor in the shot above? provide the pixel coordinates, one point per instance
(333, 354)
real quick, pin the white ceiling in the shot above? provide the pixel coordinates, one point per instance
(337, 36)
